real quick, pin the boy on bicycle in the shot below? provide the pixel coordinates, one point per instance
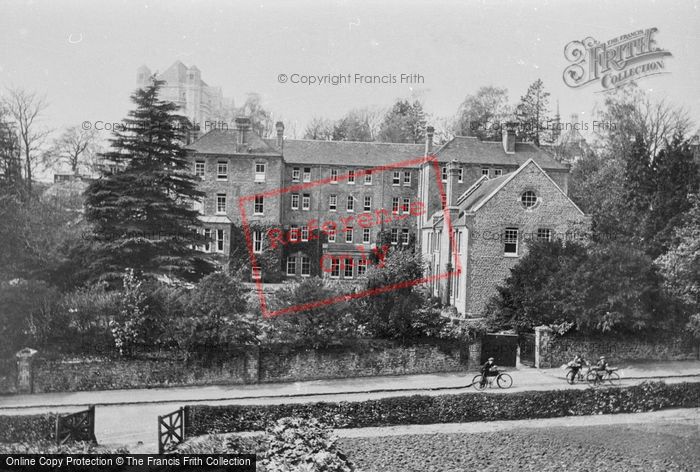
(489, 369)
(601, 367)
(577, 364)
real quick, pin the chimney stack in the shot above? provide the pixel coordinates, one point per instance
(280, 134)
(243, 127)
(452, 177)
(429, 132)
(509, 138)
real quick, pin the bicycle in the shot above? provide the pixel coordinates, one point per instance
(503, 380)
(595, 379)
(579, 376)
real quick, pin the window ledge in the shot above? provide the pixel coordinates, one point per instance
(510, 255)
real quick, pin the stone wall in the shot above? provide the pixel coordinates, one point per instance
(113, 374)
(250, 365)
(8, 375)
(282, 364)
(555, 351)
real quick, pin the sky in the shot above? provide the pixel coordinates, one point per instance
(83, 55)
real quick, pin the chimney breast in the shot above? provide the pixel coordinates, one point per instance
(509, 138)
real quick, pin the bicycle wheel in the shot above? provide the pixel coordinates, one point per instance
(504, 381)
(571, 377)
(476, 381)
(592, 379)
(614, 378)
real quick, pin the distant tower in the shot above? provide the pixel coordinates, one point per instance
(182, 85)
(194, 95)
(556, 132)
(143, 75)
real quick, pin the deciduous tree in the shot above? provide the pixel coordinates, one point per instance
(404, 123)
(483, 113)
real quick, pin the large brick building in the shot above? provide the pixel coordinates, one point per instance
(338, 197)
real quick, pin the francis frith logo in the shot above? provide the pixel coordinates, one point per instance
(615, 62)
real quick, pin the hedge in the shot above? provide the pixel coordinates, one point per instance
(460, 408)
(27, 428)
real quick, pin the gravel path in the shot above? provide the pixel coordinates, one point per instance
(659, 446)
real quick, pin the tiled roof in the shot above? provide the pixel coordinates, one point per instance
(473, 151)
(226, 142)
(483, 190)
(350, 153)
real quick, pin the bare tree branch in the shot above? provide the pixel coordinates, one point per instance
(25, 110)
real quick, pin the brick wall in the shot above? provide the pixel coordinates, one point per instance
(250, 365)
(560, 350)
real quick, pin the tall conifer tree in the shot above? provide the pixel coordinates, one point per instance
(141, 211)
(532, 113)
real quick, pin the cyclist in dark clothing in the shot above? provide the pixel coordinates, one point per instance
(489, 369)
(577, 364)
(601, 367)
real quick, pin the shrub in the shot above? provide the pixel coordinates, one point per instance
(605, 287)
(26, 310)
(403, 312)
(467, 407)
(217, 316)
(316, 327)
(223, 444)
(50, 447)
(82, 319)
(303, 444)
(128, 327)
(27, 428)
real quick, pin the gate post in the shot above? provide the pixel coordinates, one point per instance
(474, 359)
(25, 371)
(543, 336)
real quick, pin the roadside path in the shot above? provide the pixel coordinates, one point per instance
(129, 417)
(524, 378)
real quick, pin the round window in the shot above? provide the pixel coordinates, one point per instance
(528, 199)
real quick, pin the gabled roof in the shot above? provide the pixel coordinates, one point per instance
(480, 190)
(350, 153)
(471, 150)
(489, 188)
(225, 142)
